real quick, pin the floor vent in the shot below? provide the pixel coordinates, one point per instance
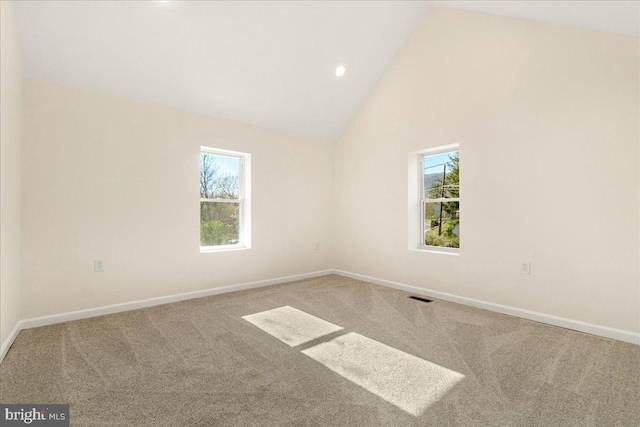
(421, 299)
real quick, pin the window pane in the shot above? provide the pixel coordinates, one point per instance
(219, 223)
(442, 224)
(219, 177)
(441, 175)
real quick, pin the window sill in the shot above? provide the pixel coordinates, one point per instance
(210, 249)
(437, 250)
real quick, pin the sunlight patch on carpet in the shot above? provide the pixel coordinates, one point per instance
(406, 381)
(291, 326)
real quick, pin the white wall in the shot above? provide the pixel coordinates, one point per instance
(108, 177)
(547, 121)
(10, 126)
(546, 117)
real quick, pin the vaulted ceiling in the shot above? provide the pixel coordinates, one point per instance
(265, 63)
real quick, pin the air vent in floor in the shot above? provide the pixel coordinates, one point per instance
(420, 299)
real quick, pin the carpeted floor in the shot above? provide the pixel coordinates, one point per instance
(199, 363)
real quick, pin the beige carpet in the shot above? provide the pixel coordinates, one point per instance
(329, 351)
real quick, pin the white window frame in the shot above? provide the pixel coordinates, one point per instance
(243, 200)
(417, 200)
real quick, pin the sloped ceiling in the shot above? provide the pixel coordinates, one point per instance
(265, 63)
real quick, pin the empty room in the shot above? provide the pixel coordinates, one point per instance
(320, 213)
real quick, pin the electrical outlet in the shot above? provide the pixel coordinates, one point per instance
(317, 246)
(98, 265)
(525, 267)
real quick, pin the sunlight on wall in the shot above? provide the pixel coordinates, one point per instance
(291, 326)
(406, 381)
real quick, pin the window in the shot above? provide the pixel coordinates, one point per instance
(440, 198)
(224, 200)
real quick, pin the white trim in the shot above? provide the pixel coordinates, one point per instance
(6, 345)
(243, 200)
(441, 149)
(603, 331)
(416, 199)
(35, 322)
(576, 325)
(437, 250)
(221, 152)
(151, 302)
(222, 248)
(440, 200)
(238, 201)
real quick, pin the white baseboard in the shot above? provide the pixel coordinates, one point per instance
(589, 328)
(12, 336)
(134, 305)
(576, 325)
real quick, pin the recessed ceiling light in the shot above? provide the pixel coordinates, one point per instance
(340, 70)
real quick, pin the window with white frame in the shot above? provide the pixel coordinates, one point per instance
(224, 199)
(440, 203)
